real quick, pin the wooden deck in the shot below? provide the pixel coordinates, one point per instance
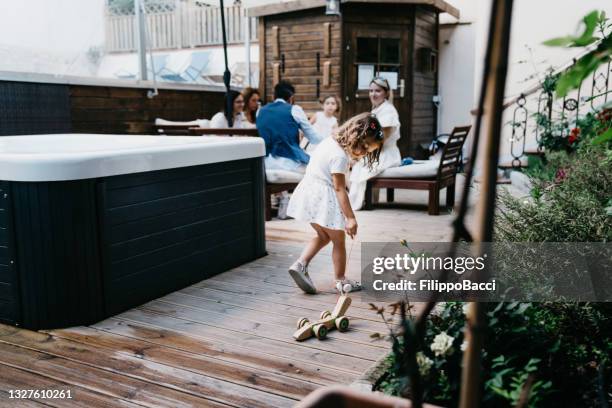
(225, 341)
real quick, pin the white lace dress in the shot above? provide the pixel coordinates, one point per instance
(314, 199)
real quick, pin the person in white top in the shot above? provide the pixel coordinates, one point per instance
(381, 96)
(321, 198)
(325, 122)
(251, 105)
(221, 119)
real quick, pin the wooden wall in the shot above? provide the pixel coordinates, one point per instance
(425, 84)
(129, 110)
(300, 37)
(27, 108)
(35, 108)
(9, 287)
(56, 253)
(173, 228)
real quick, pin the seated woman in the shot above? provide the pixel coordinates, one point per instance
(381, 97)
(221, 119)
(251, 105)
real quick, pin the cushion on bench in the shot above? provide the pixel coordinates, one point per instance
(203, 123)
(283, 176)
(418, 169)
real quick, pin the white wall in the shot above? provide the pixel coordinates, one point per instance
(50, 36)
(52, 25)
(532, 23)
(457, 76)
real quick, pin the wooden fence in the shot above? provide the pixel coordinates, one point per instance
(185, 25)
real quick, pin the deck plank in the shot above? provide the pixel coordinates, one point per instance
(173, 381)
(197, 363)
(237, 353)
(253, 322)
(304, 352)
(225, 341)
(16, 379)
(94, 379)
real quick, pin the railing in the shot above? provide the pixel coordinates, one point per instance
(177, 24)
(537, 114)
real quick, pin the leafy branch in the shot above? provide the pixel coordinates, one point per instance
(596, 29)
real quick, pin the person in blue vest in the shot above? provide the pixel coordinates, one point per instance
(279, 124)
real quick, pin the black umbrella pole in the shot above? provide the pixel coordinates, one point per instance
(227, 76)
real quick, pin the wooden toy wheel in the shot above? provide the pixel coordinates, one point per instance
(320, 331)
(325, 314)
(302, 322)
(342, 323)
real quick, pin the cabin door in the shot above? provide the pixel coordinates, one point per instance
(376, 50)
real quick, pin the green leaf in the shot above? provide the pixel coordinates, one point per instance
(590, 24)
(559, 41)
(604, 137)
(574, 76)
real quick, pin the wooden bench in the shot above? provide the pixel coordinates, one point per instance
(172, 130)
(198, 131)
(445, 177)
(271, 188)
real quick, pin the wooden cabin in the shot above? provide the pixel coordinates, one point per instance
(327, 54)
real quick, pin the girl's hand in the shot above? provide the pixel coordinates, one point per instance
(351, 227)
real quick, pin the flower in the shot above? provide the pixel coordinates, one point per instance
(466, 307)
(560, 175)
(573, 136)
(425, 363)
(442, 345)
(464, 345)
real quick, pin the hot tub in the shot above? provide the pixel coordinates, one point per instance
(91, 225)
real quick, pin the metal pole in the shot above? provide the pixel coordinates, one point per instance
(247, 46)
(227, 76)
(140, 39)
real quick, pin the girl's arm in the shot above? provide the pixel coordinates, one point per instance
(345, 204)
(313, 119)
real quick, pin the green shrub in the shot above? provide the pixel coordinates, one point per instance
(571, 206)
(564, 347)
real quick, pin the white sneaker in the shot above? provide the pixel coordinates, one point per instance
(347, 285)
(299, 273)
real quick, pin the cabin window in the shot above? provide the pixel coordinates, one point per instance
(377, 56)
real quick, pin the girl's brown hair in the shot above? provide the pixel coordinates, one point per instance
(338, 104)
(247, 93)
(360, 130)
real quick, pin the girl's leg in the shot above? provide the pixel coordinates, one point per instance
(315, 244)
(339, 252)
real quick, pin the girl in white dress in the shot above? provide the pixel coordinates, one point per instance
(321, 198)
(381, 96)
(221, 119)
(325, 122)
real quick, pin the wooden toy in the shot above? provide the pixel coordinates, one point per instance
(328, 321)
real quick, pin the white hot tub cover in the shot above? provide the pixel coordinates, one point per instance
(59, 157)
